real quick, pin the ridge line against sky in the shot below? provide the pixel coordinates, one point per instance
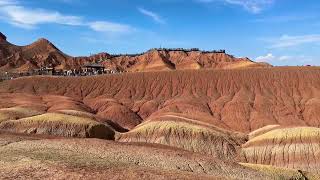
(264, 31)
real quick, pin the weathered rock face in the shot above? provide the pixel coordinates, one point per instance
(44, 53)
(159, 60)
(198, 111)
(110, 110)
(239, 100)
(3, 38)
(50, 115)
(41, 53)
(296, 148)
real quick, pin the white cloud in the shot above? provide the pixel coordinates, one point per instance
(267, 58)
(104, 26)
(254, 6)
(153, 15)
(29, 18)
(285, 18)
(285, 59)
(291, 41)
(7, 2)
(12, 12)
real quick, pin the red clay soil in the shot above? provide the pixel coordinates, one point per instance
(43, 53)
(238, 100)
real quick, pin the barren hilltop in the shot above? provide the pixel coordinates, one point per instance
(43, 53)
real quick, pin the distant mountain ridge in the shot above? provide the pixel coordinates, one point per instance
(43, 53)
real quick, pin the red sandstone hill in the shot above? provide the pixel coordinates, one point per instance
(38, 54)
(238, 100)
(44, 53)
(179, 59)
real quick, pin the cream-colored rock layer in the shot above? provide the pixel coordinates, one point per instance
(296, 148)
(59, 125)
(187, 135)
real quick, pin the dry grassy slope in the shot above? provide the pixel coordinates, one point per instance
(241, 100)
(40, 157)
(295, 147)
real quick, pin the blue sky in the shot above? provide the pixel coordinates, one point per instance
(281, 32)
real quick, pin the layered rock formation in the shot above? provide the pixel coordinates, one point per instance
(59, 125)
(265, 118)
(244, 123)
(158, 60)
(239, 100)
(295, 147)
(50, 115)
(43, 53)
(187, 134)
